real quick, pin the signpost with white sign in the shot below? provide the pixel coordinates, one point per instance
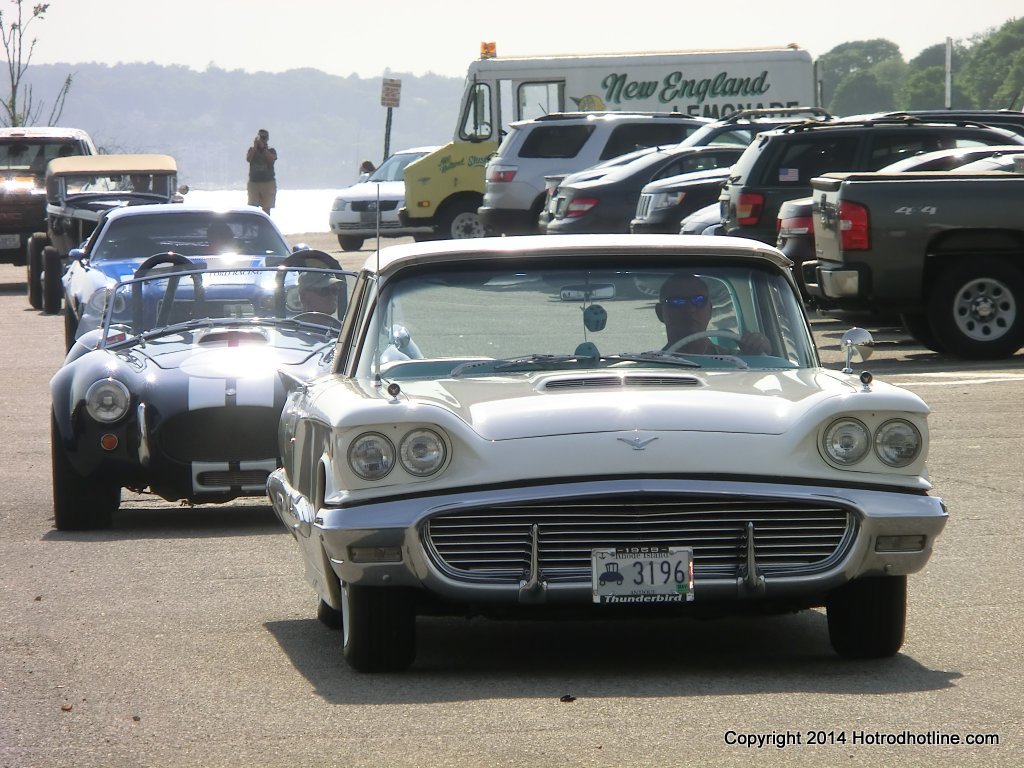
(390, 95)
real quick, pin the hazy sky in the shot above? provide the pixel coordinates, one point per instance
(345, 37)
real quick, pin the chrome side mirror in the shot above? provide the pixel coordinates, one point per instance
(859, 342)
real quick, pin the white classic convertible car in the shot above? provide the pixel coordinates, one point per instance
(604, 425)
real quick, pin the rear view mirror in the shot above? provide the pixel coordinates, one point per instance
(586, 292)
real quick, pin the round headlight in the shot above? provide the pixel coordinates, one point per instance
(897, 443)
(422, 452)
(846, 441)
(371, 456)
(107, 400)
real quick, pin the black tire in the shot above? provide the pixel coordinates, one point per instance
(976, 309)
(79, 503)
(70, 327)
(53, 288)
(379, 628)
(350, 242)
(867, 617)
(328, 616)
(920, 330)
(460, 221)
(34, 271)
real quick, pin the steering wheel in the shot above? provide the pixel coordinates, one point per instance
(166, 257)
(680, 343)
(318, 318)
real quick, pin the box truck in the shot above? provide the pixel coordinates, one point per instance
(444, 189)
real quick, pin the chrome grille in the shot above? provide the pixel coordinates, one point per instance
(493, 544)
(643, 206)
(362, 206)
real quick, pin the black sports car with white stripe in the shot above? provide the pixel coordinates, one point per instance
(178, 389)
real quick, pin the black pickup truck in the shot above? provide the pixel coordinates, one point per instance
(944, 249)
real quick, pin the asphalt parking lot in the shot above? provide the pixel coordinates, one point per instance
(187, 636)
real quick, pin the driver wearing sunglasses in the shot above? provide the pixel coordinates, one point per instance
(684, 306)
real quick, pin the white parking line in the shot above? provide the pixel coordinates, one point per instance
(956, 379)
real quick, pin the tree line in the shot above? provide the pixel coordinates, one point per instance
(324, 125)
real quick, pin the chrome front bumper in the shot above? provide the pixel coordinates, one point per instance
(388, 544)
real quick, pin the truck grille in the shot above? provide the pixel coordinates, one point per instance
(493, 544)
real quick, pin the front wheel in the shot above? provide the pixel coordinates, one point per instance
(79, 503)
(350, 242)
(867, 617)
(461, 221)
(53, 288)
(34, 271)
(379, 628)
(976, 309)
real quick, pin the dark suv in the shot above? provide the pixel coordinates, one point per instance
(779, 165)
(663, 204)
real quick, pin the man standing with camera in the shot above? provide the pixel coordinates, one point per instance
(262, 185)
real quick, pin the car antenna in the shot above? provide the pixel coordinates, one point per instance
(376, 271)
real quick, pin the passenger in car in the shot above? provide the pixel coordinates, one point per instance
(684, 306)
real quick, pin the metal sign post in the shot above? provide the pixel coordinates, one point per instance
(390, 95)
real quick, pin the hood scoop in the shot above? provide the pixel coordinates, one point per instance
(233, 337)
(616, 381)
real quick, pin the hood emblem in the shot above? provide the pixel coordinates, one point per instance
(637, 442)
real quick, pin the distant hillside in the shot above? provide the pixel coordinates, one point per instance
(322, 125)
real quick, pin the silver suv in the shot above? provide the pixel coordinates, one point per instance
(564, 143)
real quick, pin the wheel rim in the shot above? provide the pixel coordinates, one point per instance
(467, 225)
(984, 309)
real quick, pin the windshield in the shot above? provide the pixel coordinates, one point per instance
(486, 321)
(162, 184)
(31, 155)
(175, 296)
(190, 233)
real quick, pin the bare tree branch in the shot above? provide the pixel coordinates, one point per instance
(18, 107)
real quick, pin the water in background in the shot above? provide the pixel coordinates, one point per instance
(297, 210)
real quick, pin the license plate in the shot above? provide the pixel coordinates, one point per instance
(642, 575)
(10, 241)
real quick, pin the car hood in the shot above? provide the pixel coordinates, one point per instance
(220, 353)
(747, 402)
(366, 190)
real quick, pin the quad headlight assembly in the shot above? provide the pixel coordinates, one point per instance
(847, 441)
(421, 452)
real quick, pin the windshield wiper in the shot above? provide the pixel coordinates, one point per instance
(527, 361)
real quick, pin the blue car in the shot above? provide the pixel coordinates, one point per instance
(126, 237)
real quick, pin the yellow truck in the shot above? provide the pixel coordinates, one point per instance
(444, 189)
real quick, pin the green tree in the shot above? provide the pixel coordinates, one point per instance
(1011, 93)
(992, 67)
(926, 89)
(861, 92)
(849, 58)
(19, 106)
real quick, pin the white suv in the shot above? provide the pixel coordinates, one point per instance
(564, 143)
(354, 215)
